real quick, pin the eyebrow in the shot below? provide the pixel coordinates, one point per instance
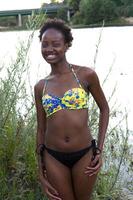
(43, 41)
(52, 40)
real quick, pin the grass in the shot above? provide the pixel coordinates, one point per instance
(18, 165)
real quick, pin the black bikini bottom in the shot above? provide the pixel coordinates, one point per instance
(70, 158)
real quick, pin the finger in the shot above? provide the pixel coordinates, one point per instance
(91, 173)
(50, 189)
(94, 171)
(93, 168)
(99, 162)
(50, 195)
(96, 158)
(53, 190)
(95, 161)
(45, 173)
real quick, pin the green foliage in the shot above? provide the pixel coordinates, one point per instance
(28, 22)
(53, 1)
(118, 2)
(8, 21)
(125, 11)
(62, 14)
(74, 4)
(18, 168)
(126, 2)
(94, 11)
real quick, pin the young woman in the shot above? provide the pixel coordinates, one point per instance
(69, 159)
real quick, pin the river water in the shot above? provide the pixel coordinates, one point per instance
(115, 49)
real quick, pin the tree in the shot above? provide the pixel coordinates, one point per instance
(126, 2)
(124, 7)
(73, 3)
(94, 11)
(55, 1)
(118, 2)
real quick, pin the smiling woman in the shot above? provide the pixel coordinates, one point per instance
(67, 153)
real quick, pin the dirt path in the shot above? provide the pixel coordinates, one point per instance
(129, 20)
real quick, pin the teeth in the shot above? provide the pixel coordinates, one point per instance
(51, 56)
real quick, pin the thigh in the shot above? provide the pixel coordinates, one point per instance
(83, 184)
(59, 176)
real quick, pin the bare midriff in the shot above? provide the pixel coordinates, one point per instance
(67, 130)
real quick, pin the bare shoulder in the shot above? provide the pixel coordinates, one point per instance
(38, 87)
(39, 84)
(84, 70)
(87, 74)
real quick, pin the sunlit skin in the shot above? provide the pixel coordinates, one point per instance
(67, 130)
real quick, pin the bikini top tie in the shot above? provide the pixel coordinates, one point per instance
(73, 99)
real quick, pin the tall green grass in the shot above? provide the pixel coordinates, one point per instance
(18, 165)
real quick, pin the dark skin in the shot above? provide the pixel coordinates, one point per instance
(67, 130)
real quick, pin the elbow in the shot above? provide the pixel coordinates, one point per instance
(105, 109)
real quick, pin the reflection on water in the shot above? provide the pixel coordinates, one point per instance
(116, 46)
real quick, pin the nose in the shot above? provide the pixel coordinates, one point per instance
(49, 48)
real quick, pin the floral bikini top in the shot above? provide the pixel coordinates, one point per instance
(73, 99)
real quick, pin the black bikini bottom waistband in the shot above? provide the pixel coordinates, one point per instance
(69, 159)
(93, 145)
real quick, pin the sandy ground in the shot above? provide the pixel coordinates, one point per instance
(129, 20)
(3, 27)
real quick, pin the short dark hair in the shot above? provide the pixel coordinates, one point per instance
(59, 25)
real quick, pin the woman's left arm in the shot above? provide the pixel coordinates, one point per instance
(98, 95)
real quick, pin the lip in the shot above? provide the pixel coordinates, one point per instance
(51, 57)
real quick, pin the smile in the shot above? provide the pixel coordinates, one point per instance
(51, 57)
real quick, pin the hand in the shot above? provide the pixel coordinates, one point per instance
(48, 189)
(94, 166)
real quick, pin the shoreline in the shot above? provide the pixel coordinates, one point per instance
(6, 29)
(128, 21)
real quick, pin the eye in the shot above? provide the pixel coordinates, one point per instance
(56, 44)
(44, 45)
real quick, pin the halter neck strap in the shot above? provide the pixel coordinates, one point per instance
(75, 75)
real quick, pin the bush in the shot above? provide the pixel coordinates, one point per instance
(62, 13)
(95, 11)
(125, 11)
(18, 167)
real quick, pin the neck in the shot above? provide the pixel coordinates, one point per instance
(60, 68)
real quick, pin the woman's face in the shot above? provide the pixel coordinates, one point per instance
(53, 46)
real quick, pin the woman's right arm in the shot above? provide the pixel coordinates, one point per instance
(48, 189)
(41, 124)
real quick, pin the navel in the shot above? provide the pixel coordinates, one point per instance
(67, 138)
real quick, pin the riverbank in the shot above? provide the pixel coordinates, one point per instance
(123, 21)
(128, 21)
